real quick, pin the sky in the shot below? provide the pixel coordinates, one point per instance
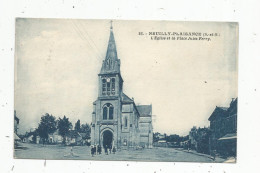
(57, 62)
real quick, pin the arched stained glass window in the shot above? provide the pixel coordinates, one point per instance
(108, 86)
(108, 111)
(111, 112)
(125, 121)
(105, 113)
(104, 86)
(113, 86)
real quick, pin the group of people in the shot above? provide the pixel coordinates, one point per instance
(97, 149)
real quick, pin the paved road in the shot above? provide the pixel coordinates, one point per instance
(34, 151)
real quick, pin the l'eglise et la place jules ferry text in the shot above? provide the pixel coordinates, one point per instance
(171, 33)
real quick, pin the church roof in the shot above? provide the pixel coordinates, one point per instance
(111, 64)
(125, 98)
(144, 110)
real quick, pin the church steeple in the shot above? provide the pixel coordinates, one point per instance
(111, 64)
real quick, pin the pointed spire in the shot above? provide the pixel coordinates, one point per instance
(111, 48)
(111, 26)
(111, 62)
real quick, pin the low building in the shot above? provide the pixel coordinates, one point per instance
(159, 136)
(73, 138)
(16, 137)
(85, 139)
(161, 143)
(37, 139)
(185, 144)
(55, 138)
(145, 125)
(28, 139)
(162, 136)
(16, 122)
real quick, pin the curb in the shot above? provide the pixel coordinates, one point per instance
(199, 154)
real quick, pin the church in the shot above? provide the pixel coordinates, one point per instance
(116, 119)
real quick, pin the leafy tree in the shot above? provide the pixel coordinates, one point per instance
(155, 137)
(184, 138)
(77, 126)
(203, 140)
(201, 136)
(46, 126)
(64, 125)
(165, 135)
(85, 128)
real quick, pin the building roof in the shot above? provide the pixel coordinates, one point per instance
(218, 112)
(73, 134)
(228, 136)
(16, 118)
(16, 137)
(233, 107)
(111, 64)
(125, 98)
(83, 135)
(224, 111)
(144, 110)
(162, 141)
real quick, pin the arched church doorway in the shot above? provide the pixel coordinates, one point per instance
(107, 138)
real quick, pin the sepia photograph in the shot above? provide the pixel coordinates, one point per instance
(125, 90)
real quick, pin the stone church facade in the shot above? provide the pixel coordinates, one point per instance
(116, 119)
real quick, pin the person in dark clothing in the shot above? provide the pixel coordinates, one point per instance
(110, 148)
(114, 150)
(95, 149)
(92, 151)
(214, 155)
(106, 152)
(99, 149)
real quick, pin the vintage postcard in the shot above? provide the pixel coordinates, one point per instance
(126, 90)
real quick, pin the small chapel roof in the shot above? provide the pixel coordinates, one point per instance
(144, 110)
(125, 98)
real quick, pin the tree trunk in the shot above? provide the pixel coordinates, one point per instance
(64, 140)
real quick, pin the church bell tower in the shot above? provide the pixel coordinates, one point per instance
(110, 80)
(106, 116)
